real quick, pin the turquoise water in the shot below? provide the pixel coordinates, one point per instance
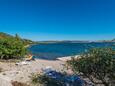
(52, 51)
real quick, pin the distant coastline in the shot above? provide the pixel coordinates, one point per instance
(74, 41)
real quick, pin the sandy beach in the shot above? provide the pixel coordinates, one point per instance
(22, 73)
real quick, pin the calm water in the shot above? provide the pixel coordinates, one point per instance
(54, 50)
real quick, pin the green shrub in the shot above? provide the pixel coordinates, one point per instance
(97, 63)
(11, 48)
(41, 79)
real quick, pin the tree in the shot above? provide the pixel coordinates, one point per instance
(17, 37)
(97, 63)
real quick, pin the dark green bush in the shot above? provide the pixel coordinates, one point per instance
(97, 63)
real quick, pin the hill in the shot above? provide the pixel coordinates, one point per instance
(5, 35)
(13, 47)
(8, 36)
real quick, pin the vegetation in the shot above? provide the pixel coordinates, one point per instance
(4, 35)
(28, 42)
(1, 69)
(41, 79)
(16, 83)
(96, 64)
(7, 36)
(12, 47)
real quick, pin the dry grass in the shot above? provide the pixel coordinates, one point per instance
(1, 69)
(16, 83)
(10, 60)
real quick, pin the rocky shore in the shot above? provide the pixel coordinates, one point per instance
(12, 72)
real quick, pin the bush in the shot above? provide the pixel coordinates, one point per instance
(44, 80)
(11, 48)
(97, 63)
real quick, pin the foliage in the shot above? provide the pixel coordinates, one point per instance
(97, 63)
(45, 80)
(17, 37)
(4, 35)
(27, 42)
(12, 48)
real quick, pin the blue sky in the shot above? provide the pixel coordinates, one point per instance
(59, 19)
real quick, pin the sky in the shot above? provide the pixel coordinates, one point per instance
(58, 19)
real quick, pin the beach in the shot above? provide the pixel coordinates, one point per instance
(22, 73)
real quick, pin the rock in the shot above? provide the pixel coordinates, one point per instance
(68, 58)
(5, 81)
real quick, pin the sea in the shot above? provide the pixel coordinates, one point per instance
(52, 51)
